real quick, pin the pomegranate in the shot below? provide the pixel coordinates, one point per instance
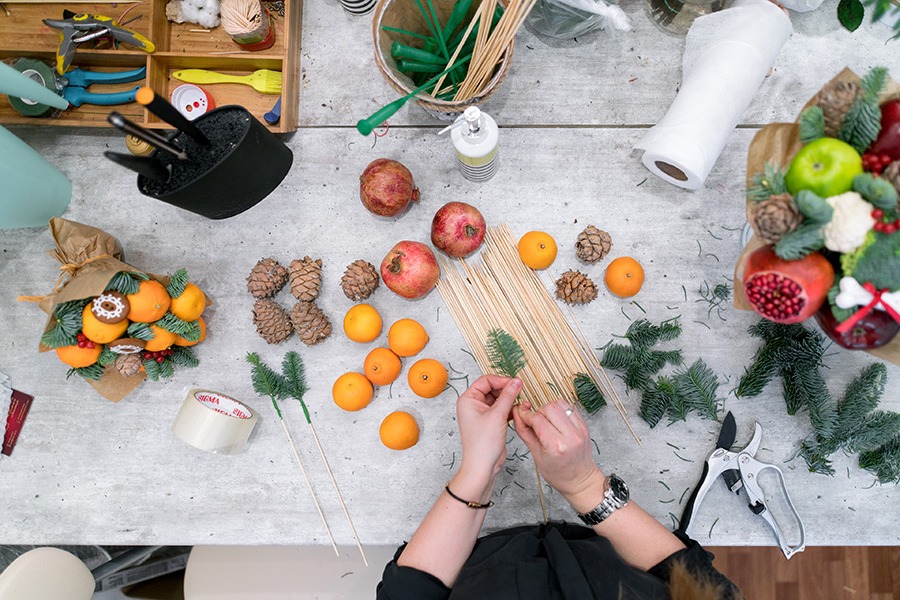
(872, 331)
(786, 291)
(386, 187)
(410, 269)
(457, 229)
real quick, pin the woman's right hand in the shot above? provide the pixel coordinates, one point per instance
(561, 446)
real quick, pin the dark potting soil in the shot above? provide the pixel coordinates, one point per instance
(224, 128)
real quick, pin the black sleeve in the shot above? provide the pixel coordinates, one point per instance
(407, 583)
(698, 562)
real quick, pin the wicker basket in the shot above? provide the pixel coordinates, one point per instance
(404, 14)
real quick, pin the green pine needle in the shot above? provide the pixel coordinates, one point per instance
(655, 401)
(876, 191)
(873, 82)
(588, 393)
(93, 372)
(883, 462)
(177, 282)
(294, 379)
(804, 240)
(107, 357)
(266, 382)
(140, 331)
(188, 330)
(68, 324)
(812, 124)
(861, 124)
(184, 357)
(769, 183)
(505, 353)
(698, 386)
(126, 283)
(617, 357)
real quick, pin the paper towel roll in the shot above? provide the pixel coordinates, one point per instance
(726, 57)
(213, 422)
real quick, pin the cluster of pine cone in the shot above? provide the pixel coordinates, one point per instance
(275, 324)
(574, 287)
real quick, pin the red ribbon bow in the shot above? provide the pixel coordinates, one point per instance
(862, 312)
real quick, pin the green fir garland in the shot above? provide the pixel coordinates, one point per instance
(505, 353)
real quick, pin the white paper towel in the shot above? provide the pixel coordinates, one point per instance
(727, 55)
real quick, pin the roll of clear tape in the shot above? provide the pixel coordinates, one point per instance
(213, 422)
(727, 55)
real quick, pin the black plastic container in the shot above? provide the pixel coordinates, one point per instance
(243, 164)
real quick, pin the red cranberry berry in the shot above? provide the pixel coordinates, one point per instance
(890, 228)
(160, 359)
(877, 214)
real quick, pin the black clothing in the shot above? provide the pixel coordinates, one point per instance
(543, 562)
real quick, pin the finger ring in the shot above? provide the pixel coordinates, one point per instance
(569, 412)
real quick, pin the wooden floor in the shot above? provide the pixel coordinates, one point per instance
(821, 573)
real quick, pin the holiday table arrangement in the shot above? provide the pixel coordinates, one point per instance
(823, 203)
(113, 324)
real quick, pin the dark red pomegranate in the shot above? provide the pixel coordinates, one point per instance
(786, 291)
(386, 187)
(872, 331)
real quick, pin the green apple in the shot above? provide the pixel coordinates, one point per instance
(825, 167)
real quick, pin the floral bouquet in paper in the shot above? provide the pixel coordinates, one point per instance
(822, 198)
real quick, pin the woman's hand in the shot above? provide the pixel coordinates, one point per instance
(561, 446)
(483, 412)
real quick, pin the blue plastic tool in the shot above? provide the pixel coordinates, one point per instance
(274, 115)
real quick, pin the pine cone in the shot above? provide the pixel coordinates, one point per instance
(359, 280)
(266, 278)
(310, 323)
(128, 364)
(592, 244)
(891, 174)
(774, 217)
(835, 99)
(273, 323)
(306, 275)
(574, 287)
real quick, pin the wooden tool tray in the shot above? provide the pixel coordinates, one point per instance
(178, 46)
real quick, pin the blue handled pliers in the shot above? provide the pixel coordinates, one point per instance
(74, 84)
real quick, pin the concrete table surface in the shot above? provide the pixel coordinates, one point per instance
(88, 471)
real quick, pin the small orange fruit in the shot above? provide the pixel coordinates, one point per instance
(362, 323)
(79, 357)
(99, 332)
(624, 277)
(150, 303)
(427, 378)
(162, 339)
(190, 304)
(382, 366)
(537, 249)
(352, 391)
(399, 431)
(407, 337)
(183, 342)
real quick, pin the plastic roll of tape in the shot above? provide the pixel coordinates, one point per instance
(41, 73)
(213, 422)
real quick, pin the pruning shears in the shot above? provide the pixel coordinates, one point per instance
(84, 27)
(740, 470)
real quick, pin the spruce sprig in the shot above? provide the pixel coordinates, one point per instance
(294, 379)
(184, 357)
(266, 382)
(813, 208)
(812, 124)
(769, 183)
(177, 282)
(107, 357)
(862, 122)
(876, 191)
(140, 331)
(800, 242)
(588, 393)
(68, 323)
(883, 462)
(189, 330)
(697, 386)
(505, 353)
(126, 282)
(93, 372)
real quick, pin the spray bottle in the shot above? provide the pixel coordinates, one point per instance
(475, 138)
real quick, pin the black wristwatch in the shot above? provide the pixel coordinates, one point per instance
(615, 497)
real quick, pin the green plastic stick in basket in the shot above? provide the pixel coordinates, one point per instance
(365, 126)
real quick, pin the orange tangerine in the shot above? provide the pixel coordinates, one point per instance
(537, 249)
(362, 323)
(382, 366)
(162, 339)
(427, 378)
(407, 337)
(352, 391)
(183, 342)
(399, 431)
(79, 357)
(99, 332)
(190, 304)
(150, 303)
(624, 277)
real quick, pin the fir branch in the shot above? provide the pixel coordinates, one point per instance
(873, 82)
(876, 191)
(151, 368)
(184, 357)
(654, 404)
(140, 331)
(816, 458)
(617, 357)
(177, 282)
(126, 283)
(107, 357)
(265, 381)
(93, 372)
(873, 431)
(800, 242)
(68, 323)
(883, 462)
(173, 324)
(812, 124)
(505, 353)
(862, 396)
(166, 368)
(698, 385)
(678, 408)
(671, 329)
(861, 124)
(813, 208)
(294, 379)
(760, 372)
(769, 183)
(588, 393)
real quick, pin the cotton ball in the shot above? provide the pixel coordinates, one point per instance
(203, 12)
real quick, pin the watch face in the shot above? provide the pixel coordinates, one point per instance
(618, 488)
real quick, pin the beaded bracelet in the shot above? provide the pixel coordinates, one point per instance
(466, 502)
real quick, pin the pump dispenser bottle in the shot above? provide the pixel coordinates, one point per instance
(475, 138)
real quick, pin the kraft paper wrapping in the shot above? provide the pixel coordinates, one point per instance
(90, 258)
(777, 144)
(213, 422)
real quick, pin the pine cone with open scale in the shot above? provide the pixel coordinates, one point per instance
(310, 323)
(266, 278)
(273, 323)
(306, 275)
(592, 244)
(574, 287)
(127, 365)
(835, 100)
(360, 280)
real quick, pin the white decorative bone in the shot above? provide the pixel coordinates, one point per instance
(853, 294)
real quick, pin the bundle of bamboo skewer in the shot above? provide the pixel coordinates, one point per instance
(503, 293)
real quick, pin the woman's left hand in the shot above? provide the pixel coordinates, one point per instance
(483, 412)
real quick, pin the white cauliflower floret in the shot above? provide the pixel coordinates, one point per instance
(851, 221)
